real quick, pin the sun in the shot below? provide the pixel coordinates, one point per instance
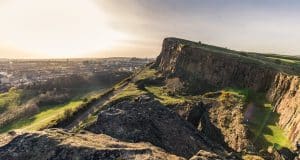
(57, 28)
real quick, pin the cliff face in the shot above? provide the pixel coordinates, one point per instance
(202, 68)
(218, 121)
(284, 93)
(210, 68)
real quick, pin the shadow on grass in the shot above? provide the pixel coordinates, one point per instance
(16, 125)
(265, 131)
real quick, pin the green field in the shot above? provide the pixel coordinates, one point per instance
(48, 115)
(13, 98)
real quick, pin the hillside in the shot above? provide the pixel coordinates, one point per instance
(199, 65)
(197, 101)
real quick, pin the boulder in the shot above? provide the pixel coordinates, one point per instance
(57, 144)
(146, 120)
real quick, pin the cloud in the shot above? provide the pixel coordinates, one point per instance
(100, 28)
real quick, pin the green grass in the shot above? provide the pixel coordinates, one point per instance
(50, 115)
(14, 98)
(265, 130)
(47, 117)
(247, 95)
(292, 61)
(160, 94)
(243, 94)
(145, 73)
(130, 90)
(9, 98)
(263, 125)
(277, 137)
(86, 122)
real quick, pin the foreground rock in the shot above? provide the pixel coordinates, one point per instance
(149, 121)
(59, 145)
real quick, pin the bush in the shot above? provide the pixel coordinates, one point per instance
(68, 113)
(277, 61)
(85, 99)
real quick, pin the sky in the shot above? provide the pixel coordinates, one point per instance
(136, 28)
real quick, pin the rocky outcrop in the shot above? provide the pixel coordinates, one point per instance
(205, 155)
(58, 144)
(225, 123)
(148, 121)
(222, 122)
(202, 67)
(285, 95)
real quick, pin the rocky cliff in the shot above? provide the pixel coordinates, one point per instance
(203, 67)
(284, 93)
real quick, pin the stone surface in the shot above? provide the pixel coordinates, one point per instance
(147, 120)
(285, 95)
(222, 122)
(202, 69)
(58, 145)
(205, 155)
(217, 69)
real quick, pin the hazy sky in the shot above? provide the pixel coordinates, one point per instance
(104, 28)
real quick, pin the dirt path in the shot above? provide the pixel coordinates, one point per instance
(100, 103)
(95, 107)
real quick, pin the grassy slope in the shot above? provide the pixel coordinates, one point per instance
(13, 98)
(263, 124)
(8, 99)
(287, 64)
(50, 115)
(161, 95)
(266, 131)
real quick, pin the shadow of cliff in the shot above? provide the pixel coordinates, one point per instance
(199, 117)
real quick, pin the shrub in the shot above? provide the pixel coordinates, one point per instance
(68, 113)
(277, 61)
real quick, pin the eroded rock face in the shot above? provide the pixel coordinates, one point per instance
(228, 120)
(222, 122)
(203, 68)
(59, 145)
(285, 95)
(149, 121)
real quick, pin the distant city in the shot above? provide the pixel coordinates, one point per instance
(16, 73)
